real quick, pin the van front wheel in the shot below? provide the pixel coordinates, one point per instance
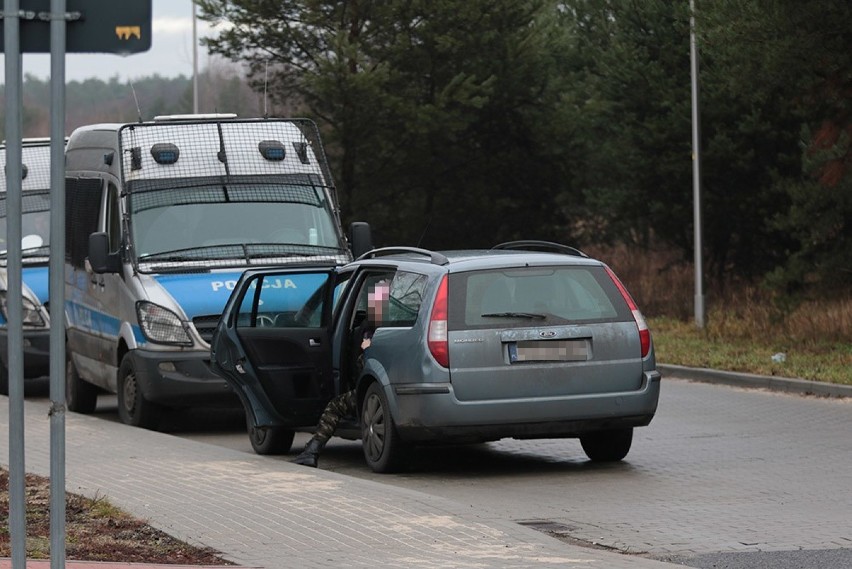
(270, 440)
(80, 396)
(133, 408)
(4, 380)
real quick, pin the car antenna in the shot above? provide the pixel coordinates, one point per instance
(138, 109)
(422, 235)
(265, 85)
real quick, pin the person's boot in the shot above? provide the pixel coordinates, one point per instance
(310, 455)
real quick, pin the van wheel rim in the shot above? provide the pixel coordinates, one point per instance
(374, 427)
(257, 435)
(130, 393)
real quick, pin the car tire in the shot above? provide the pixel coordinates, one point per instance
(4, 380)
(133, 408)
(80, 396)
(269, 440)
(384, 450)
(607, 446)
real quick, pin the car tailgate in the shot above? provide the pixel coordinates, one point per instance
(547, 361)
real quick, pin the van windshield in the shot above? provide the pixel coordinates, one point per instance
(212, 216)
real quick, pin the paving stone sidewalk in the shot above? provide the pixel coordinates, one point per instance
(265, 512)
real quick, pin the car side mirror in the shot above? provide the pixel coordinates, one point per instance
(360, 238)
(100, 259)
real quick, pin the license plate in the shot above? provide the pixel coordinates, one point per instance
(549, 351)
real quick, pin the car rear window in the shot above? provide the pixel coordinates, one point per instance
(534, 296)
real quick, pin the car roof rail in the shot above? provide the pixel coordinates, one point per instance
(545, 245)
(434, 258)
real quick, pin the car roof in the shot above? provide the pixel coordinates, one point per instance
(471, 259)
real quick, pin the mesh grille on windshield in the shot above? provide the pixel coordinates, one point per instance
(195, 148)
(35, 166)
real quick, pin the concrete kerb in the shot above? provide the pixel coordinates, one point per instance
(786, 384)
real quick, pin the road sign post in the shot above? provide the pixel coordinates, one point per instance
(59, 27)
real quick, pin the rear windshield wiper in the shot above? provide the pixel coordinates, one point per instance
(530, 315)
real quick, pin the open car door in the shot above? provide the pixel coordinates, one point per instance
(273, 346)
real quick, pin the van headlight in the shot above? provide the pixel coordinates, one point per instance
(161, 325)
(30, 314)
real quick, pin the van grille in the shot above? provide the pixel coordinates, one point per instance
(206, 325)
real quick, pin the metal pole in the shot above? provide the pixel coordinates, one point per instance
(696, 172)
(14, 303)
(194, 60)
(57, 284)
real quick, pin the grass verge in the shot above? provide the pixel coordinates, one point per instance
(682, 343)
(95, 531)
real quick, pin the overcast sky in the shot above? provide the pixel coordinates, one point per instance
(170, 54)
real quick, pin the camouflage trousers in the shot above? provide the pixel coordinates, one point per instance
(337, 408)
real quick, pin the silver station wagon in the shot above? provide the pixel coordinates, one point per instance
(529, 339)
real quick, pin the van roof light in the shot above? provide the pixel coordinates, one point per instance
(272, 150)
(165, 153)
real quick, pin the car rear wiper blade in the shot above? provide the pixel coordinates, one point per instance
(530, 315)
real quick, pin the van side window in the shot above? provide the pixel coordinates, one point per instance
(113, 218)
(82, 209)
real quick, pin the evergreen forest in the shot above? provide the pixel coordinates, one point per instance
(464, 123)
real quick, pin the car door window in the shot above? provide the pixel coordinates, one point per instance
(343, 280)
(284, 301)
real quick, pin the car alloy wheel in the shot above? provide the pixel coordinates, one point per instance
(383, 449)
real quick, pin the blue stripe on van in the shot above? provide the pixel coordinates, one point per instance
(199, 294)
(96, 322)
(36, 278)
(202, 294)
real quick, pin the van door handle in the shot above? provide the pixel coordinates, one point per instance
(313, 342)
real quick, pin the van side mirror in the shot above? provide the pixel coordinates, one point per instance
(360, 238)
(100, 259)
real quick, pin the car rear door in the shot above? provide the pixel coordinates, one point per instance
(272, 344)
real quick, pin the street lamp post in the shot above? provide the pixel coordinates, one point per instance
(194, 59)
(696, 171)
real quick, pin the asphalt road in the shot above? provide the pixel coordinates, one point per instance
(722, 478)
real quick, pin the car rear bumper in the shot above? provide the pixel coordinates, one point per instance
(36, 351)
(180, 379)
(434, 414)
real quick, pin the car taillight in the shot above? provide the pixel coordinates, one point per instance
(438, 341)
(644, 332)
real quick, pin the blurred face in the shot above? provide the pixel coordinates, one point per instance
(377, 302)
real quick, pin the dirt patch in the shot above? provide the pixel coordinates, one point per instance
(95, 531)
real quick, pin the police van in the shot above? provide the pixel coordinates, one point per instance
(35, 249)
(162, 218)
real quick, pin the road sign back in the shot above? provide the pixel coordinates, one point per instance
(94, 26)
